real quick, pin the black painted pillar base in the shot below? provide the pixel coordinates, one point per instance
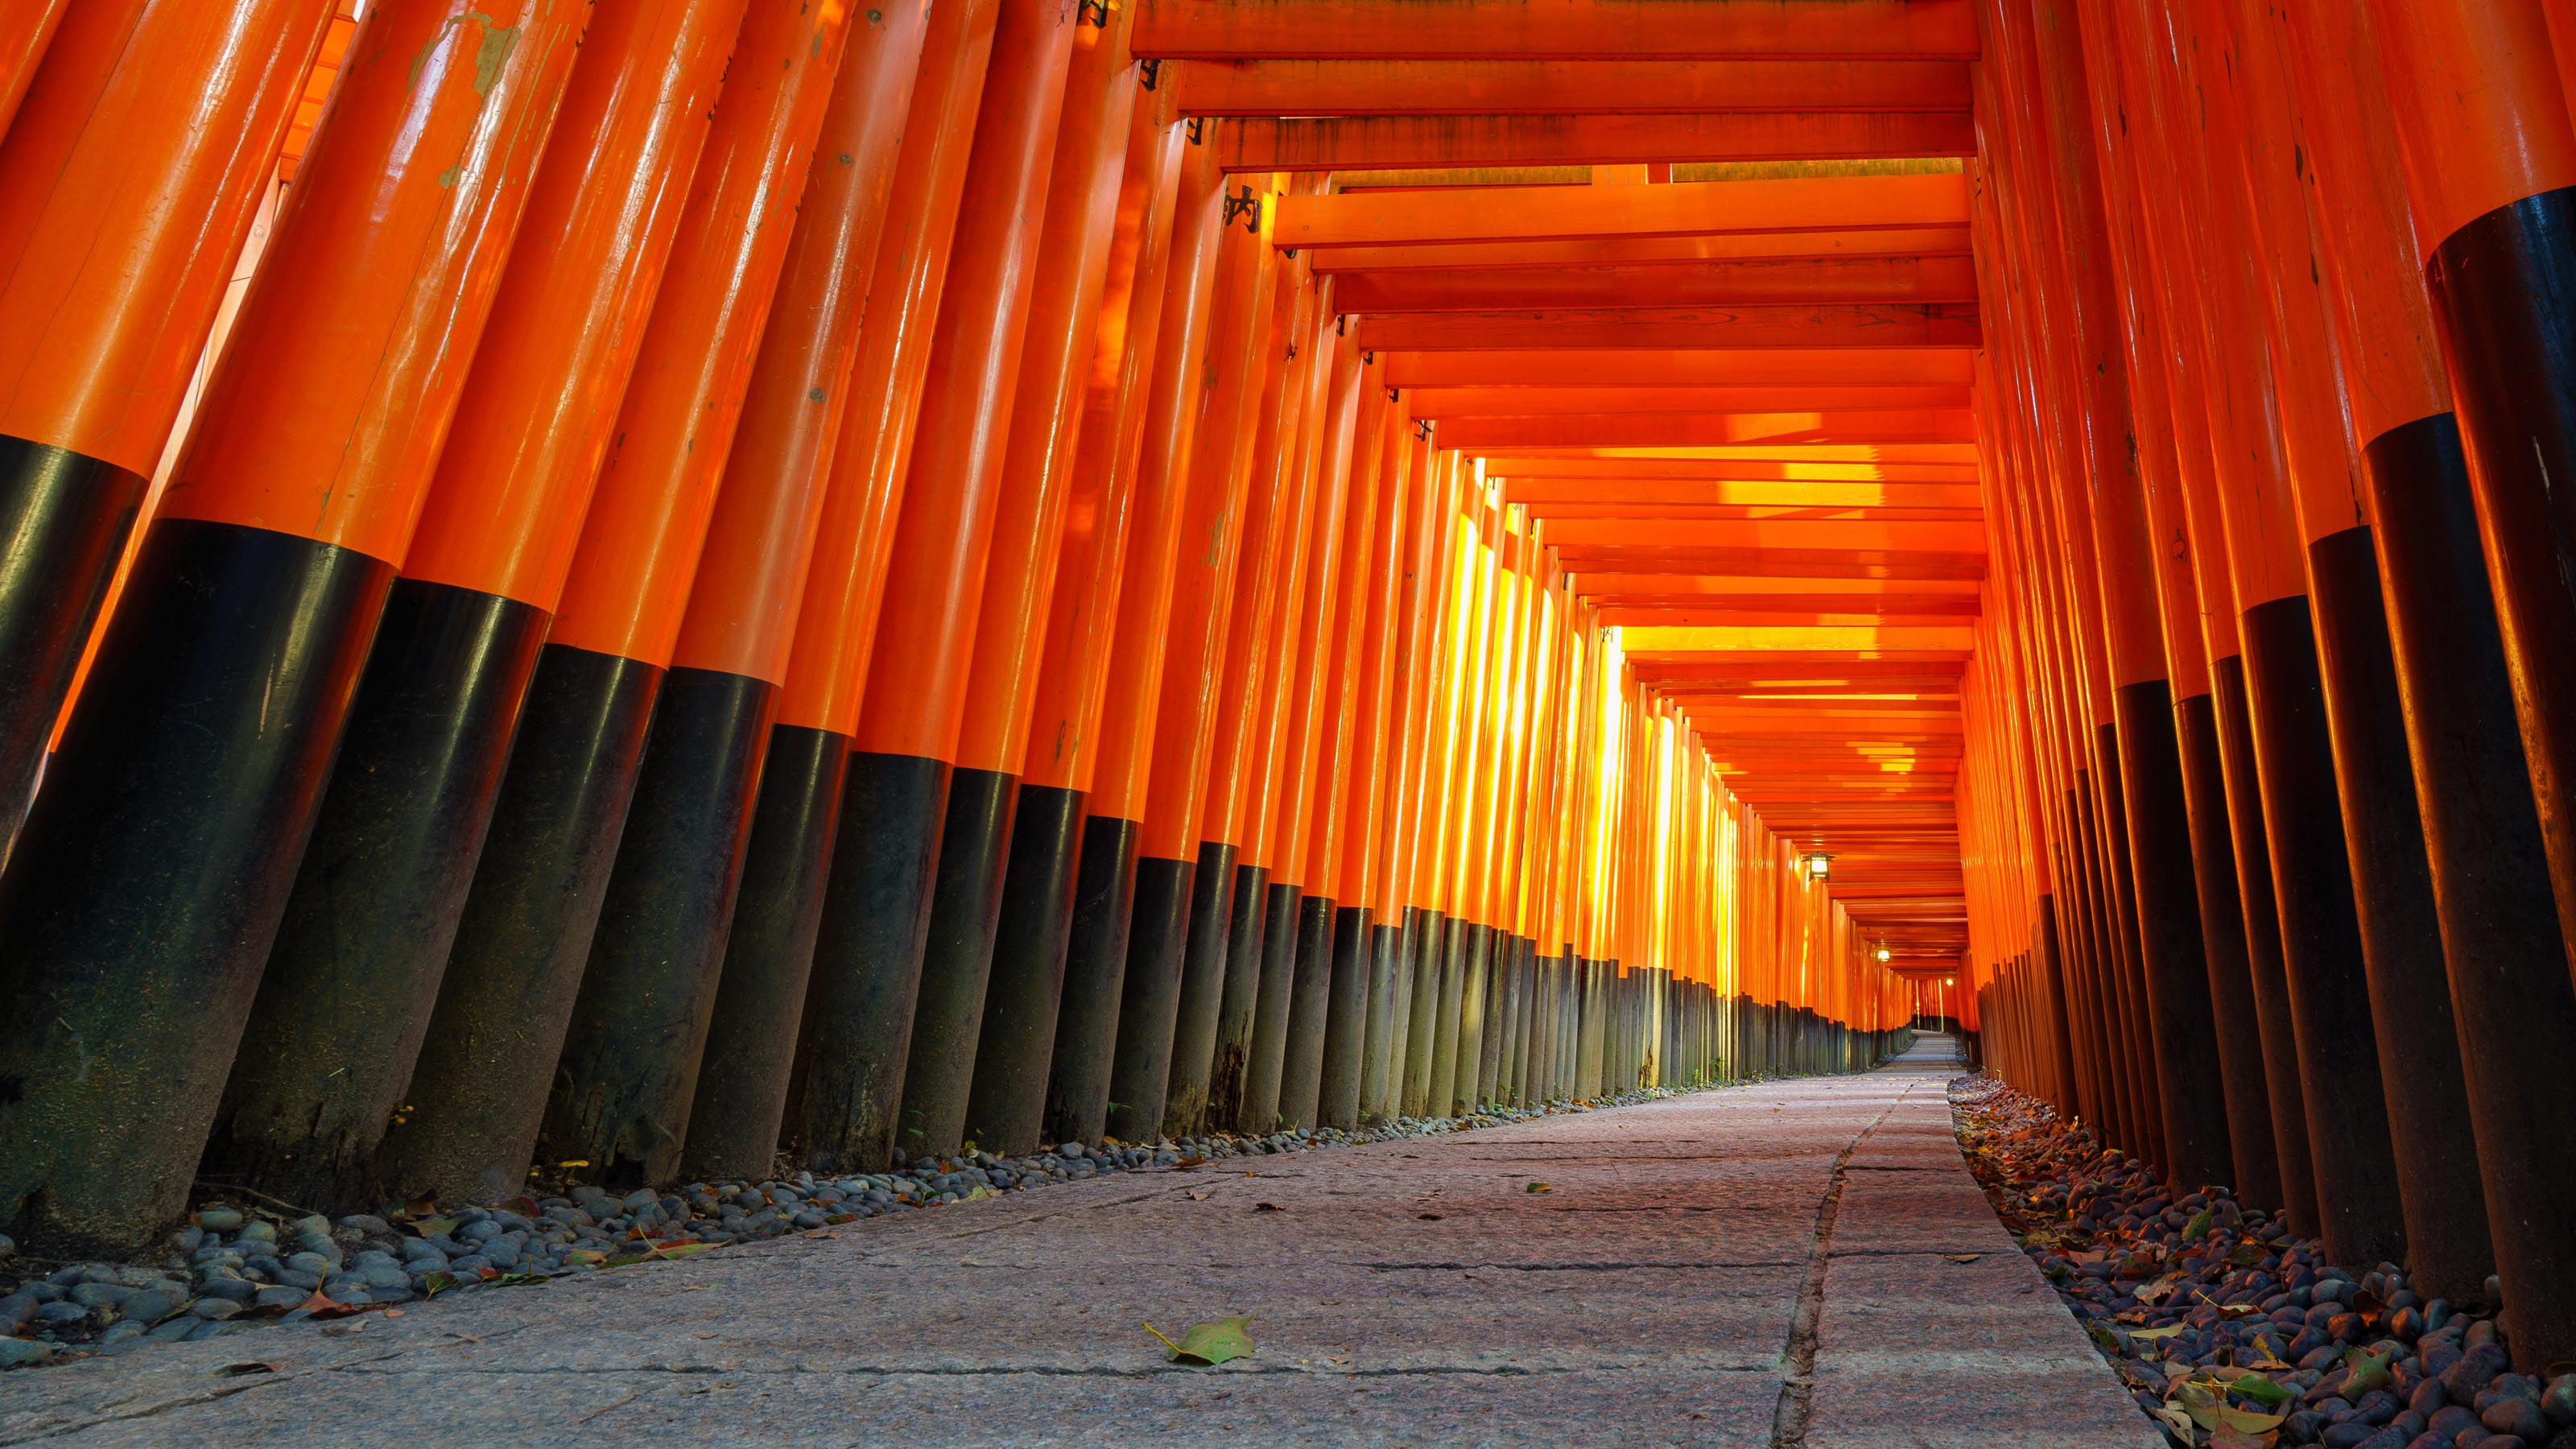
(1095, 976)
(1272, 1008)
(629, 1068)
(1454, 957)
(363, 944)
(149, 879)
(1205, 970)
(2192, 1095)
(1430, 931)
(1301, 1074)
(1474, 992)
(2239, 1030)
(2448, 1250)
(66, 517)
(2490, 867)
(956, 962)
(842, 1114)
(1381, 1029)
(1230, 1065)
(769, 957)
(2234, 717)
(1346, 1016)
(1151, 998)
(1006, 1110)
(478, 1090)
(2360, 1215)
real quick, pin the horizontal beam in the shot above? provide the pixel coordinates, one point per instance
(1861, 592)
(1304, 88)
(1758, 367)
(1684, 429)
(1653, 253)
(1566, 29)
(1942, 324)
(1778, 563)
(1679, 284)
(1465, 402)
(1396, 143)
(1966, 538)
(1648, 613)
(1687, 208)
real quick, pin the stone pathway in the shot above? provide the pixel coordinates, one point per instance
(1775, 1265)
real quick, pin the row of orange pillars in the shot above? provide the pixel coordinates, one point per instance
(2267, 805)
(772, 574)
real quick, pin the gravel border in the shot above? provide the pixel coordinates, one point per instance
(2229, 1329)
(245, 1262)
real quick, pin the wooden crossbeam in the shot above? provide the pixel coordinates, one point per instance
(1684, 284)
(1943, 324)
(1303, 88)
(1566, 29)
(1538, 213)
(1388, 143)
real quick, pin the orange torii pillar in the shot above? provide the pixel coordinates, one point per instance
(2232, 802)
(1350, 488)
(1108, 182)
(2191, 1096)
(127, 187)
(1113, 884)
(2483, 833)
(1433, 618)
(1011, 623)
(206, 730)
(1363, 942)
(525, 931)
(350, 983)
(1409, 583)
(1052, 883)
(2198, 622)
(2359, 1211)
(885, 932)
(2418, 1046)
(1169, 898)
(805, 389)
(1212, 1025)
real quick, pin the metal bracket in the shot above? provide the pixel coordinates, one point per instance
(1148, 72)
(1198, 130)
(1290, 253)
(1094, 13)
(1422, 429)
(1249, 201)
(1391, 394)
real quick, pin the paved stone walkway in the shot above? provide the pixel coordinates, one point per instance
(1775, 1265)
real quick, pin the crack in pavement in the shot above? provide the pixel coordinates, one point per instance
(1798, 1360)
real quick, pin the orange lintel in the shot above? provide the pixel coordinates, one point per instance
(1390, 143)
(1615, 585)
(1464, 402)
(1684, 284)
(1942, 324)
(1688, 208)
(1642, 251)
(1564, 29)
(1769, 533)
(1551, 495)
(1716, 367)
(1681, 429)
(1269, 88)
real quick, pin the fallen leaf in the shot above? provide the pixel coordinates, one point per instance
(1199, 1195)
(354, 1325)
(2197, 1228)
(2365, 1371)
(811, 1233)
(1429, 1217)
(2152, 1334)
(586, 1257)
(1538, 1187)
(435, 1227)
(240, 1370)
(1268, 1207)
(321, 1306)
(980, 1192)
(1210, 1344)
(1963, 1257)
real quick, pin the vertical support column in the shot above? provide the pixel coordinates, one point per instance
(206, 731)
(128, 184)
(1116, 895)
(354, 973)
(797, 410)
(525, 930)
(2482, 831)
(1095, 206)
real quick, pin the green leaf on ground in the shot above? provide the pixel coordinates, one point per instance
(435, 1227)
(2365, 1371)
(1210, 1344)
(2198, 1227)
(438, 1283)
(1539, 1187)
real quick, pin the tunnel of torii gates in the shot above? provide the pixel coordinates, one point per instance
(635, 589)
